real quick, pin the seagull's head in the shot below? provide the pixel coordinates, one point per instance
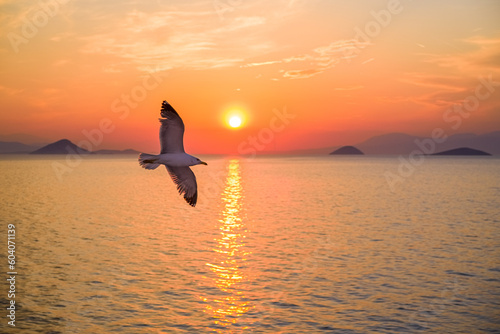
(198, 162)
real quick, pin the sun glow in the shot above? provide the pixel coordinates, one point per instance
(235, 118)
(235, 122)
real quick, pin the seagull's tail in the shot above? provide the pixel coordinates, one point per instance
(148, 161)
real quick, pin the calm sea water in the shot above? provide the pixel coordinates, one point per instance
(275, 245)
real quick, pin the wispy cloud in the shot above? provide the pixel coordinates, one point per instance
(13, 13)
(442, 82)
(481, 53)
(435, 90)
(169, 39)
(16, 14)
(450, 77)
(187, 36)
(263, 63)
(318, 60)
(301, 74)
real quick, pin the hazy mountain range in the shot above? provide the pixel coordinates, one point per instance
(401, 143)
(388, 144)
(63, 146)
(24, 138)
(16, 147)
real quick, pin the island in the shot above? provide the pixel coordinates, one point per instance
(462, 151)
(347, 150)
(63, 146)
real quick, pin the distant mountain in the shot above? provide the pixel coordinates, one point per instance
(24, 138)
(388, 144)
(63, 146)
(462, 151)
(392, 143)
(347, 150)
(16, 147)
(488, 142)
(312, 151)
(400, 143)
(127, 151)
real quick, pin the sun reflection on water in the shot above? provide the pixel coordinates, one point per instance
(230, 256)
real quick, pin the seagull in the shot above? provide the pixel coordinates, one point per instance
(172, 154)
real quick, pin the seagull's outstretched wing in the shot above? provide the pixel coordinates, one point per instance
(171, 130)
(185, 180)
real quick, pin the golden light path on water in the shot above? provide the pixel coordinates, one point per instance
(230, 256)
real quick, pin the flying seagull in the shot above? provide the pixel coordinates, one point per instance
(172, 154)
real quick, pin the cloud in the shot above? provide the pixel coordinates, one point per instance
(449, 78)
(16, 14)
(13, 13)
(262, 63)
(301, 74)
(479, 54)
(432, 81)
(436, 90)
(188, 36)
(170, 39)
(320, 59)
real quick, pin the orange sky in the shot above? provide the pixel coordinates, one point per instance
(341, 70)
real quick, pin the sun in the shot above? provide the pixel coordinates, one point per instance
(235, 117)
(235, 121)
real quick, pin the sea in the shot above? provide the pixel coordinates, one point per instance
(276, 244)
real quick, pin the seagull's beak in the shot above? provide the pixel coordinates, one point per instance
(203, 163)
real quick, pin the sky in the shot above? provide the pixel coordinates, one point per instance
(300, 74)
